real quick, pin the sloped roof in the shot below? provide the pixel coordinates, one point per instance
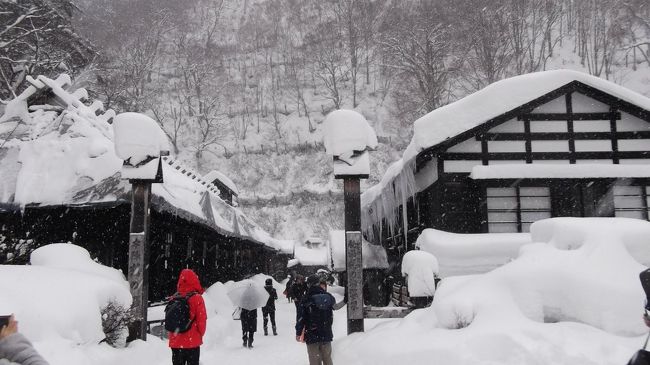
(499, 98)
(449, 123)
(54, 157)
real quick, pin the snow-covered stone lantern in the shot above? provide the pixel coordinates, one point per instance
(140, 142)
(348, 138)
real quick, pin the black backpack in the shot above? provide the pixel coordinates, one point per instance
(177, 314)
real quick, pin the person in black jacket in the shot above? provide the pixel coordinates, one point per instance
(314, 323)
(298, 290)
(248, 326)
(269, 309)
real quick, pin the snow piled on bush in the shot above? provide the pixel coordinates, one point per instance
(420, 269)
(573, 296)
(61, 294)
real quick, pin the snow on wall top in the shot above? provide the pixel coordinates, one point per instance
(216, 175)
(532, 171)
(347, 131)
(469, 254)
(374, 256)
(54, 157)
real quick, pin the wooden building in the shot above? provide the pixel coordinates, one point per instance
(548, 144)
(63, 184)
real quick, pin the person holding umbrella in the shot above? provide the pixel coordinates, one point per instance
(248, 297)
(248, 326)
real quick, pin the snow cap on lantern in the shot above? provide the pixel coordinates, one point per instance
(348, 137)
(140, 142)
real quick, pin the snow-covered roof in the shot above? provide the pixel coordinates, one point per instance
(499, 98)
(466, 114)
(374, 256)
(216, 175)
(68, 158)
(557, 171)
(311, 255)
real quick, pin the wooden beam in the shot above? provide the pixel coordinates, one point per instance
(569, 126)
(614, 137)
(386, 312)
(564, 136)
(456, 156)
(567, 116)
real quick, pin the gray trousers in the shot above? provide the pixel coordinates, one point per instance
(320, 353)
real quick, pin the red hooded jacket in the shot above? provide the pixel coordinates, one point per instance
(188, 282)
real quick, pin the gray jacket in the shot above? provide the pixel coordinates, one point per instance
(16, 349)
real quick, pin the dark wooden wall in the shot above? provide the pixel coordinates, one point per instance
(175, 244)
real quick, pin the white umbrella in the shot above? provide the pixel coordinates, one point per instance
(248, 296)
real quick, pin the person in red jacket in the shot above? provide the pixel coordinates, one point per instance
(186, 346)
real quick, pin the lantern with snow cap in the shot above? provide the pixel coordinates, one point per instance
(141, 143)
(348, 138)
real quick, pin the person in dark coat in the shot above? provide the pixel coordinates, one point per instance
(298, 290)
(268, 311)
(315, 318)
(248, 326)
(287, 288)
(186, 346)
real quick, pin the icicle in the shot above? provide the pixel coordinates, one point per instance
(386, 198)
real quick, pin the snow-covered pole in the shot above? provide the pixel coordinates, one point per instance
(348, 138)
(140, 142)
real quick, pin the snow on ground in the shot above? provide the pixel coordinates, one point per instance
(571, 297)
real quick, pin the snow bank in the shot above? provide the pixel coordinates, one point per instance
(464, 254)
(582, 272)
(420, 269)
(573, 298)
(374, 256)
(61, 294)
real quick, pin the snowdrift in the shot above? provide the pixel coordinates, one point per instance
(61, 294)
(573, 296)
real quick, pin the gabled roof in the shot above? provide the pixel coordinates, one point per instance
(480, 111)
(504, 99)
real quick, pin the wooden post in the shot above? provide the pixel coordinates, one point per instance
(353, 258)
(139, 257)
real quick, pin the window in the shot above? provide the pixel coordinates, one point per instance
(514, 209)
(189, 248)
(168, 245)
(631, 201)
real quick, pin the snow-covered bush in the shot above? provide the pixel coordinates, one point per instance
(61, 294)
(420, 269)
(115, 320)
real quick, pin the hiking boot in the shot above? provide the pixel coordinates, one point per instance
(275, 333)
(266, 332)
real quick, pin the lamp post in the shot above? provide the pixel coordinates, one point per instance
(348, 138)
(140, 143)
